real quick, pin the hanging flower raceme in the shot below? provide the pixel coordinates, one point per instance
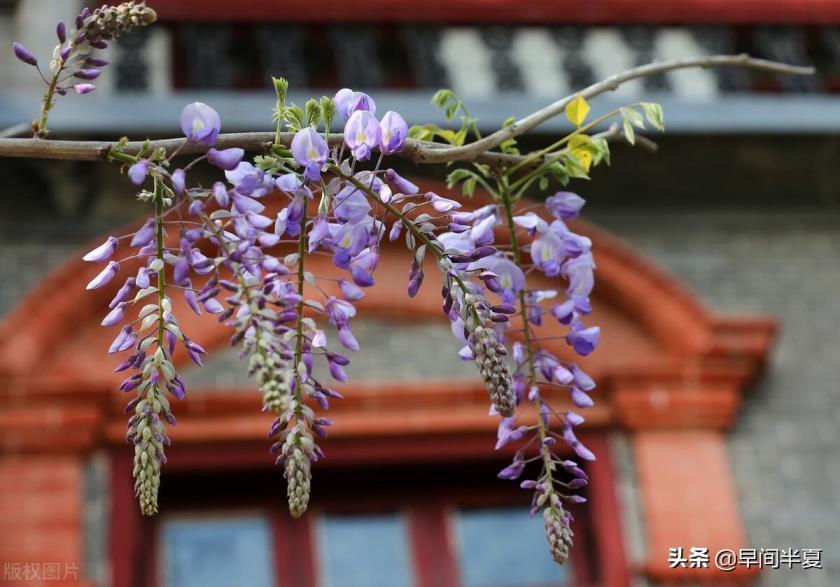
(239, 250)
(73, 57)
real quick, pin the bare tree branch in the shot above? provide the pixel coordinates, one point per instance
(472, 150)
(413, 150)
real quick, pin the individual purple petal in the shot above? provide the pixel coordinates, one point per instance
(582, 380)
(103, 252)
(179, 179)
(394, 130)
(24, 55)
(507, 433)
(123, 293)
(137, 172)
(115, 316)
(337, 372)
(564, 312)
(104, 276)
(142, 278)
(84, 88)
(482, 232)
(347, 102)
(394, 233)
(513, 470)
(90, 73)
(362, 267)
(97, 61)
(249, 180)
(574, 419)
(577, 483)
(120, 339)
(189, 297)
(289, 183)
(400, 184)
(200, 123)
(226, 159)
(362, 134)
(61, 32)
(585, 340)
(581, 399)
(351, 291)
(442, 204)
(351, 205)
(244, 204)
(564, 205)
(320, 231)
(144, 234)
(220, 193)
(548, 253)
(181, 271)
(346, 338)
(213, 306)
(576, 445)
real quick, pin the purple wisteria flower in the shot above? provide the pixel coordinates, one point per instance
(24, 54)
(347, 102)
(394, 131)
(362, 134)
(311, 151)
(200, 123)
(137, 173)
(227, 159)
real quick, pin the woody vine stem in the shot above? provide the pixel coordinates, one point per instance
(506, 270)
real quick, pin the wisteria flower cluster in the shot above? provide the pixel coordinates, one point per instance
(74, 63)
(238, 249)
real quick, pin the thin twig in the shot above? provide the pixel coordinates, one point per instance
(413, 150)
(15, 130)
(472, 150)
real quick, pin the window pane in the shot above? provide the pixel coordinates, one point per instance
(364, 551)
(218, 552)
(505, 547)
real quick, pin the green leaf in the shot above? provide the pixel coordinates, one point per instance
(602, 151)
(574, 167)
(654, 114)
(441, 97)
(295, 117)
(632, 116)
(281, 86)
(629, 133)
(468, 187)
(313, 113)
(456, 176)
(327, 110)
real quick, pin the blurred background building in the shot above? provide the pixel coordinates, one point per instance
(718, 414)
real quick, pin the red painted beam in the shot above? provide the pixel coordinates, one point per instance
(508, 11)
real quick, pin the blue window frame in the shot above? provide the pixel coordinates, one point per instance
(364, 551)
(504, 547)
(217, 551)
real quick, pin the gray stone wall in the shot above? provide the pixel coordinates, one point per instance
(784, 448)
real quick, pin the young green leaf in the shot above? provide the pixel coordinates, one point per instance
(654, 114)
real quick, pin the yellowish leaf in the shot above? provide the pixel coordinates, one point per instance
(584, 157)
(576, 110)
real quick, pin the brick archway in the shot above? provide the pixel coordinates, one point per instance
(671, 374)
